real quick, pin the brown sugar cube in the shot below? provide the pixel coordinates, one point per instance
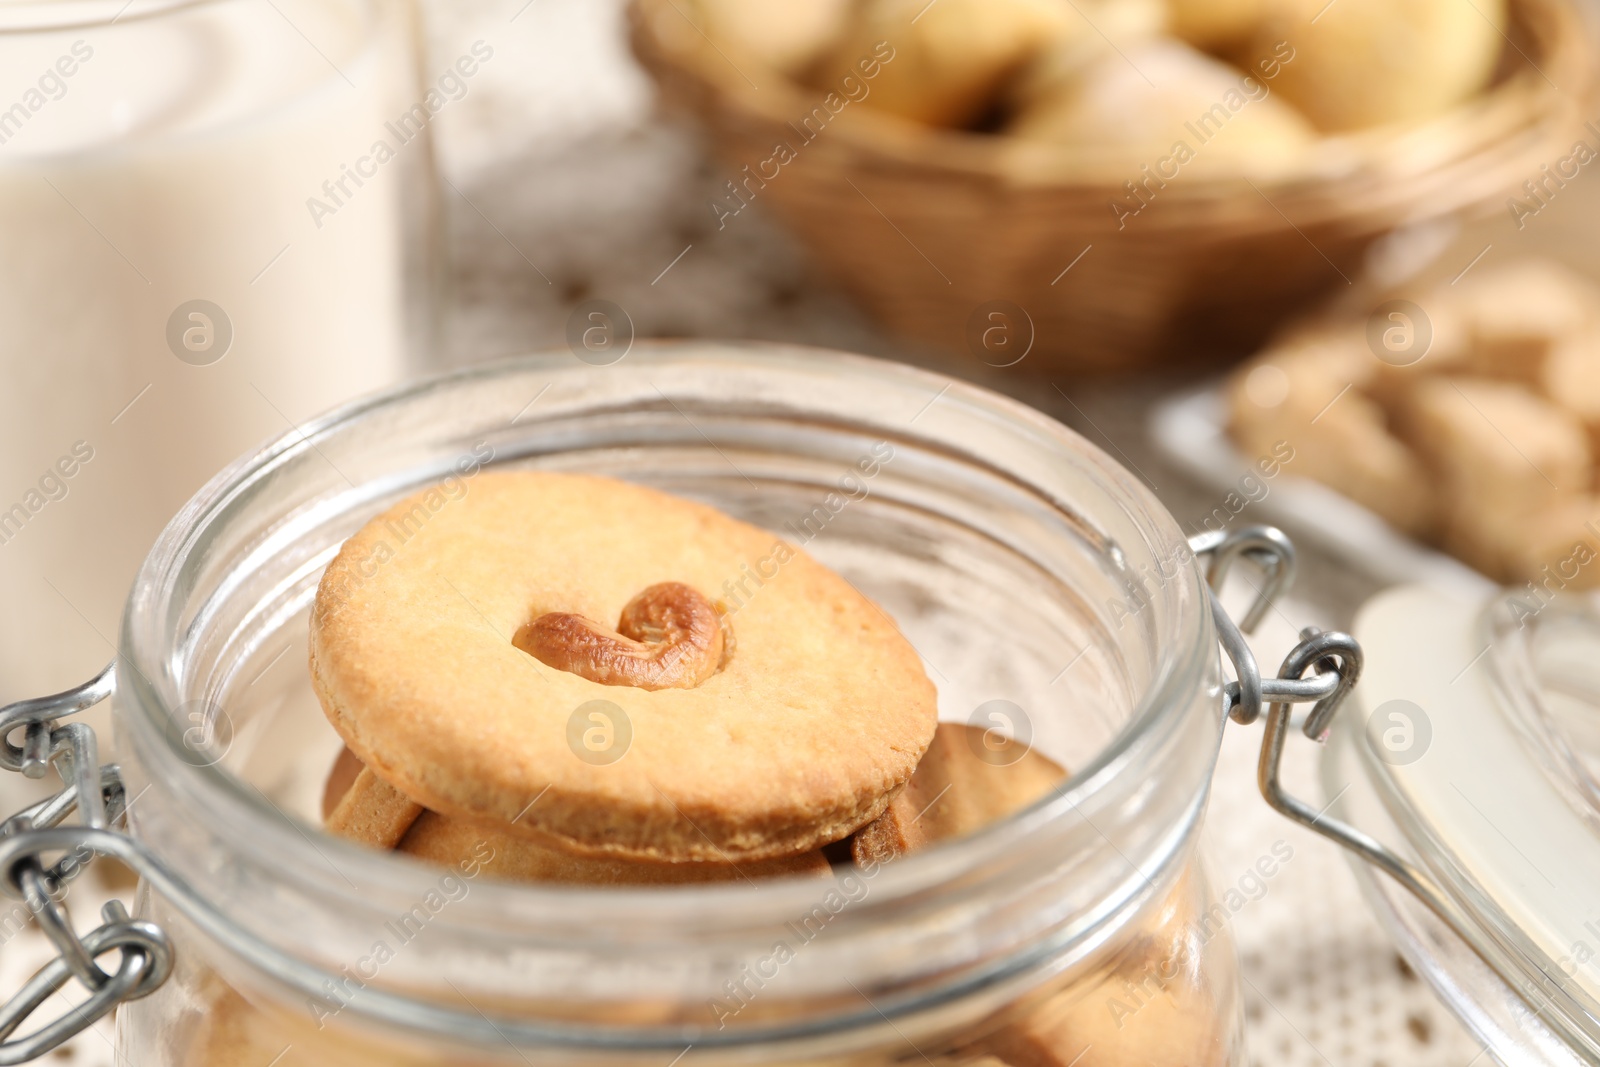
(1555, 549)
(1499, 450)
(942, 64)
(1516, 314)
(1298, 407)
(968, 778)
(1558, 549)
(507, 856)
(1480, 541)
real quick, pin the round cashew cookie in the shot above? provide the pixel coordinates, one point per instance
(810, 712)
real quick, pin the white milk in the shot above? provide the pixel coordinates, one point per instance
(166, 158)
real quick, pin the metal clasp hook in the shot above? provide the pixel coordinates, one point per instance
(1269, 549)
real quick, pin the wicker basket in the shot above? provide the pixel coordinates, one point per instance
(927, 227)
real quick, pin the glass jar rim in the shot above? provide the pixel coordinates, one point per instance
(149, 696)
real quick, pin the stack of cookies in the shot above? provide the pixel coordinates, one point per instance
(558, 679)
(1467, 415)
(605, 684)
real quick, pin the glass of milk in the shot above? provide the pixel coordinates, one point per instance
(216, 219)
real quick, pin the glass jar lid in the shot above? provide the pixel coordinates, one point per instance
(1480, 742)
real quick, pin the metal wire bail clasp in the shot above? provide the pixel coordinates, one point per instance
(1335, 657)
(94, 791)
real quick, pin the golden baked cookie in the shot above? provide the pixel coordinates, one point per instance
(346, 769)
(1165, 106)
(358, 805)
(1156, 1005)
(785, 35)
(945, 63)
(1107, 25)
(1080, 1028)
(448, 842)
(819, 712)
(372, 812)
(967, 779)
(1358, 63)
(1218, 25)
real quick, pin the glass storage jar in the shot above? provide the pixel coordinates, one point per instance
(1049, 594)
